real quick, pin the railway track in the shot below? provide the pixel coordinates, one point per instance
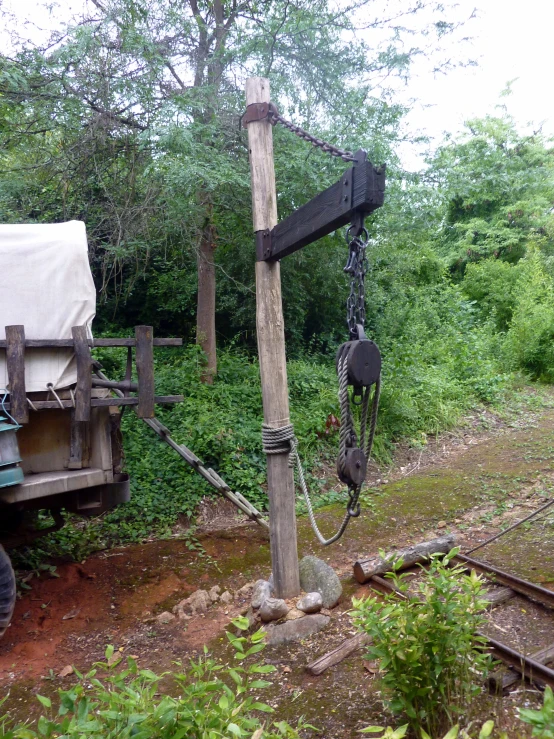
(532, 666)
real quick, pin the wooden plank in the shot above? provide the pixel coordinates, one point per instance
(271, 350)
(15, 362)
(42, 405)
(84, 373)
(68, 343)
(360, 189)
(79, 445)
(337, 655)
(364, 569)
(145, 370)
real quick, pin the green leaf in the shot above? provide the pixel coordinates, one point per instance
(486, 730)
(453, 733)
(46, 702)
(371, 730)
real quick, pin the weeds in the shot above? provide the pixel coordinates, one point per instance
(212, 701)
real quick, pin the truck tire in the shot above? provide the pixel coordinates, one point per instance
(7, 591)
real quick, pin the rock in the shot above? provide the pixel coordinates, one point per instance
(294, 613)
(226, 597)
(310, 603)
(198, 602)
(165, 618)
(316, 575)
(262, 590)
(214, 593)
(273, 609)
(295, 630)
(245, 591)
(441, 525)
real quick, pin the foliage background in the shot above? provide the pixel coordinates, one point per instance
(126, 121)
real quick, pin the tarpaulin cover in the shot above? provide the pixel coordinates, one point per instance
(45, 285)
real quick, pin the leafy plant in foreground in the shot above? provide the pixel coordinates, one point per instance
(430, 657)
(213, 701)
(454, 733)
(542, 720)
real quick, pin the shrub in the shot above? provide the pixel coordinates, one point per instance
(430, 657)
(213, 701)
(530, 338)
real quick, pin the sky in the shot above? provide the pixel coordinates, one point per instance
(512, 41)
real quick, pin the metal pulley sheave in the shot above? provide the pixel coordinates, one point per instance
(358, 367)
(363, 366)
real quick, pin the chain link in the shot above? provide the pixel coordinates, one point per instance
(356, 267)
(275, 117)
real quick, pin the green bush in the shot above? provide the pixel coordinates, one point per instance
(529, 343)
(430, 658)
(213, 701)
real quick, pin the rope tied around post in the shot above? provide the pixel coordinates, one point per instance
(282, 440)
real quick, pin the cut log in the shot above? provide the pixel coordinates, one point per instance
(364, 569)
(335, 656)
(500, 680)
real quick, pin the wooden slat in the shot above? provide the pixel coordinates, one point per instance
(145, 371)
(79, 445)
(360, 189)
(84, 373)
(42, 405)
(337, 655)
(15, 361)
(68, 343)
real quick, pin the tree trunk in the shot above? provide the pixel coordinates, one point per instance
(205, 316)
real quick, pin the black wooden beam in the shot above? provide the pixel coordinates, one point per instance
(360, 190)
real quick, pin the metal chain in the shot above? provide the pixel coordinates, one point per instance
(275, 117)
(356, 267)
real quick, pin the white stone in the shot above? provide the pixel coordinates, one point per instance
(273, 609)
(310, 603)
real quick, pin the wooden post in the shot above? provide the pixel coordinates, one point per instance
(271, 350)
(15, 361)
(84, 373)
(145, 369)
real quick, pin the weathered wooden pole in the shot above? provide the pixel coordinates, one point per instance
(271, 350)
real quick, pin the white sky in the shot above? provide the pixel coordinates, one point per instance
(511, 40)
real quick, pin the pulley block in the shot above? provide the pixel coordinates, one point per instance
(355, 467)
(363, 360)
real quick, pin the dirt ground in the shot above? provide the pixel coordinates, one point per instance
(493, 471)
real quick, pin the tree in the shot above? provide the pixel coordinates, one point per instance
(129, 118)
(498, 189)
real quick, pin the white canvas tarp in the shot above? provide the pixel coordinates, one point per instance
(46, 286)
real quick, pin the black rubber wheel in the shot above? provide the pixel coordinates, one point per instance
(7, 591)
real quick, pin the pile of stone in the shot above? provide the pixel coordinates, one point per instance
(295, 619)
(196, 604)
(305, 616)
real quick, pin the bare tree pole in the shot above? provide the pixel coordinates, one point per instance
(271, 350)
(205, 315)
